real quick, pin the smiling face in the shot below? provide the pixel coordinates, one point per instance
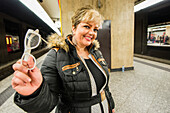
(85, 33)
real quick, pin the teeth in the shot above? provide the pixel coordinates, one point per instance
(88, 38)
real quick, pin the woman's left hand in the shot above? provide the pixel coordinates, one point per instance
(113, 110)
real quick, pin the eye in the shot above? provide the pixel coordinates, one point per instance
(86, 26)
(95, 30)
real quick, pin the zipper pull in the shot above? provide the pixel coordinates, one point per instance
(77, 68)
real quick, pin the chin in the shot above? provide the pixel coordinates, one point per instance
(88, 45)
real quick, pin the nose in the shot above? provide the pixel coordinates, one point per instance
(91, 31)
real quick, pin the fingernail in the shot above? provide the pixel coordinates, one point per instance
(26, 70)
(24, 63)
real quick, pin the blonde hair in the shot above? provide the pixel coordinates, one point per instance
(86, 14)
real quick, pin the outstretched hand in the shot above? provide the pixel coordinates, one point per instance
(25, 81)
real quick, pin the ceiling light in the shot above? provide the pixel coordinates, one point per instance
(35, 7)
(145, 4)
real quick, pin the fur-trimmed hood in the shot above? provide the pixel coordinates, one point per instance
(55, 40)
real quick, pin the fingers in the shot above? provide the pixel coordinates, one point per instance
(22, 76)
(16, 82)
(18, 67)
(20, 79)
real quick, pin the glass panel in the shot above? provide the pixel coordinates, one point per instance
(32, 40)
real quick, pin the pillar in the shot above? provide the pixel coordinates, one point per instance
(121, 14)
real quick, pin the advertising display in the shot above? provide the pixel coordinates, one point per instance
(158, 36)
(12, 43)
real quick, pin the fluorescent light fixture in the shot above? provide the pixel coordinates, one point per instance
(145, 4)
(159, 29)
(35, 7)
(58, 24)
(160, 26)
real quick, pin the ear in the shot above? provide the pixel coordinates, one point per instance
(73, 28)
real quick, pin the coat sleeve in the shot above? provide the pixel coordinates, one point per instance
(110, 98)
(48, 96)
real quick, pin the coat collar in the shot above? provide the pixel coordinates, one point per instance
(66, 43)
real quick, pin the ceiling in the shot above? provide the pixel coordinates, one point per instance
(52, 9)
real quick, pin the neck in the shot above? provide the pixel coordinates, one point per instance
(80, 49)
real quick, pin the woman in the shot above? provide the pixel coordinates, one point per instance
(74, 76)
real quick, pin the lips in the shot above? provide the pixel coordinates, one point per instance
(88, 38)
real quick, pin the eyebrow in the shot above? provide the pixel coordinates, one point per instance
(91, 25)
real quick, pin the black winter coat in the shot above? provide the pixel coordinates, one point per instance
(68, 85)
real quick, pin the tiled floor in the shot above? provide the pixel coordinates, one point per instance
(146, 89)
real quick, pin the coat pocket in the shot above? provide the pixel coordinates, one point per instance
(72, 70)
(72, 66)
